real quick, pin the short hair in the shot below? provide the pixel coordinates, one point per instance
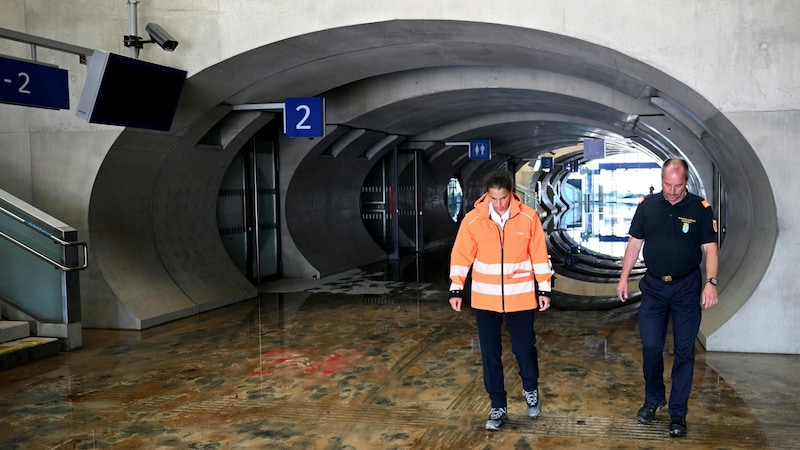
(674, 163)
(498, 179)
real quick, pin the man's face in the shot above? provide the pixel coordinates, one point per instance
(673, 183)
(500, 198)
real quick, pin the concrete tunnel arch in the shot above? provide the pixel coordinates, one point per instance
(152, 214)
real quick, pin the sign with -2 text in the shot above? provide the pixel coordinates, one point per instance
(304, 117)
(33, 84)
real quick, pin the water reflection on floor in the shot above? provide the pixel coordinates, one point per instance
(376, 360)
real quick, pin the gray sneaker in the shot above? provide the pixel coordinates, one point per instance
(496, 418)
(533, 401)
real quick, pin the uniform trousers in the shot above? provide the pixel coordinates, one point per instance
(523, 345)
(679, 300)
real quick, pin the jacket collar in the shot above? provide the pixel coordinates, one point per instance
(482, 205)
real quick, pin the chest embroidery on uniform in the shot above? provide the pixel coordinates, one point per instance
(686, 222)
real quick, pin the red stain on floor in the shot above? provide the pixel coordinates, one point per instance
(287, 360)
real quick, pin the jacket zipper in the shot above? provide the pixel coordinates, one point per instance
(502, 232)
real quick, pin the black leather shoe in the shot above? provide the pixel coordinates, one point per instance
(677, 426)
(648, 411)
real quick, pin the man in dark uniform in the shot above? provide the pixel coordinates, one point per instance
(676, 228)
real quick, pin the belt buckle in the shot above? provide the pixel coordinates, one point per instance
(666, 278)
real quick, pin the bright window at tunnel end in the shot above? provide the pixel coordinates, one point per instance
(455, 198)
(595, 204)
(610, 190)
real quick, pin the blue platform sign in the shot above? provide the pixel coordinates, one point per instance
(33, 84)
(304, 117)
(480, 149)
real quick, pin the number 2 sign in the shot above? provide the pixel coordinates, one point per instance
(304, 117)
(33, 84)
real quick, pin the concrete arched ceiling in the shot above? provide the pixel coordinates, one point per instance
(420, 84)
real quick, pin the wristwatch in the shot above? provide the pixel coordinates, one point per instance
(712, 281)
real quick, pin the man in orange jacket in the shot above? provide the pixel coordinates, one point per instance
(503, 242)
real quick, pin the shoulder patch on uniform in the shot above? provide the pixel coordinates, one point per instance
(706, 204)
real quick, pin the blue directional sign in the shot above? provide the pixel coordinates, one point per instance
(32, 84)
(304, 117)
(480, 150)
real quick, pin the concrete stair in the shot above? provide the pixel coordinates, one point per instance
(18, 347)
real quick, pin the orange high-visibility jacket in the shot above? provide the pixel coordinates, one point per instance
(505, 261)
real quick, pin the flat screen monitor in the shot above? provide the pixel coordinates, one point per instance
(130, 93)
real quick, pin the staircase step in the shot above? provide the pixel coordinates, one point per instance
(25, 350)
(11, 330)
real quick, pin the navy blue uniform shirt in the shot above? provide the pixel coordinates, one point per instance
(673, 234)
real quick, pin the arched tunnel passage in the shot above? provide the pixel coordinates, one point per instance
(585, 207)
(414, 84)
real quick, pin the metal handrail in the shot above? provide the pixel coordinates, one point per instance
(44, 42)
(55, 239)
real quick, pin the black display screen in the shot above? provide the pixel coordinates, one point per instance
(131, 93)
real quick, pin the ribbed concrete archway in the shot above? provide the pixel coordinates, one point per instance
(414, 83)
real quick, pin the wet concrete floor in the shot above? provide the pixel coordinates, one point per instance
(376, 359)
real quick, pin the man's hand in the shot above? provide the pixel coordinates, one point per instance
(628, 261)
(622, 290)
(710, 295)
(455, 303)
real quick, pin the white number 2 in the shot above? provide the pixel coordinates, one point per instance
(27, 78)
(302, 125)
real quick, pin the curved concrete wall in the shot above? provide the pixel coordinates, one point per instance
(323, 208)
(322, 200)
(142, 178)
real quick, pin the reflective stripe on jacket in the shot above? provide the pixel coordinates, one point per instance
(505, 262)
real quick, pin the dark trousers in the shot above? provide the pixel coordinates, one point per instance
(523, 345)
(679, 300)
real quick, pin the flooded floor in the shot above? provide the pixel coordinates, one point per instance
(377, 359)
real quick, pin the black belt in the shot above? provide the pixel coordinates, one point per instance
(670, 278)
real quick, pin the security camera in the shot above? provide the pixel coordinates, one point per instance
(160, 36)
